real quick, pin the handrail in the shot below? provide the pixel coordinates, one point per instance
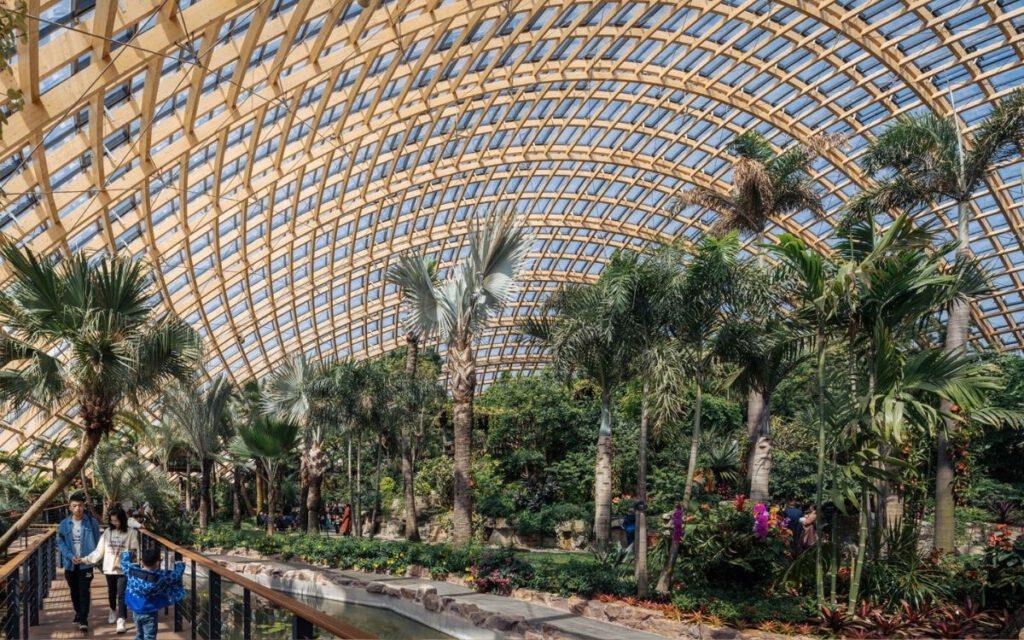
(302, 611)
(18, 559)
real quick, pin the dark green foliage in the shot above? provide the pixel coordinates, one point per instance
(544, 520)
(737, 605)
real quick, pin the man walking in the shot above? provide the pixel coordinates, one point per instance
(76, 537)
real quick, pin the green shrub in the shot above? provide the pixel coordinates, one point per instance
(585, 579)
(544, 520)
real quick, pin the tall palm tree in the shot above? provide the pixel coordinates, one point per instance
(405, 274)
(302, 392)
(766, 185)
(120, 474)
(270, 441)
(768, 345)
(697, 301)
(592, 330)
(457, 309)
(925, 158)
(203, 424)
(84, 330)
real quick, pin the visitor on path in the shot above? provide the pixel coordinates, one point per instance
(346, 520)
(150, 589)
(629, 526)
(677, 524)
(117, 539)
(77, 536)
(810, 526)
(793, 514)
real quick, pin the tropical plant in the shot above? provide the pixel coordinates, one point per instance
(925, 158)
(84, 329)
(201, 418)
(305, 393)
(591, 330)
(120, 474)
(697, 300)
(271, 441)
(457, 309)
(406, 274)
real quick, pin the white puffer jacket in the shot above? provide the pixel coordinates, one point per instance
(109, 549)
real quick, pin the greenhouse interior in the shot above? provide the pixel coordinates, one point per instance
(560, 319)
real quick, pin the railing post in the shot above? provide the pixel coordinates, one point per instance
(302, 629)
(246, 615)
(32, 597)
(192, 617)
(177, 605)
(213, 611)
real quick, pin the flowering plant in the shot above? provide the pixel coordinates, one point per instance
(739, 502)
(761, 525)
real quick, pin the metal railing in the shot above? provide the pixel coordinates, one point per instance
(204, 604)
(25, 582)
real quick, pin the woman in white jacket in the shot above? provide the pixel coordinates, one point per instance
(117, 537)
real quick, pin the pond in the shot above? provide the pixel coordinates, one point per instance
(271, 623)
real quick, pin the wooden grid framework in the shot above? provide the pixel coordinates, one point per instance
(270, 156)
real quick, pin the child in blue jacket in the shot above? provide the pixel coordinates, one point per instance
(150, 589)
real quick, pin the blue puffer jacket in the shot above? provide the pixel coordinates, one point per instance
(90, 536)
(148, 591)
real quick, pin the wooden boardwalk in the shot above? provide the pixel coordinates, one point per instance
(55, 619)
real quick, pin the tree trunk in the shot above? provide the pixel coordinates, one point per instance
(412, 531)
(462, 362)
(313, 500)
(303, 492)
(665, 579)
(236, 498)
(376, 494)
(819, 575)
(862, 540)
(260, 493)
(754, 406)
(357, 508)
(90, 440)
(204, 494)
(760, 465)
(640, 545)
(188, 485)
(351, 484)
(603, 475)
(956, 340)
(271, 501)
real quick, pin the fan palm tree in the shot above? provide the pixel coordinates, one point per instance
(270, 441)
(303, 393)
(592, 330)
(120, 474)
(84, 330)
(697, 301)
(924, 158)
(202, 421)
(457, 309)
(405, 274)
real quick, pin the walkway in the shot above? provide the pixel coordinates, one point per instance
(565, 622)
(55, 619)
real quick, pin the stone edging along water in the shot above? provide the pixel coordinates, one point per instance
(472, 616)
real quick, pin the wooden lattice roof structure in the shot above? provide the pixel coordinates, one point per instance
(269, 157)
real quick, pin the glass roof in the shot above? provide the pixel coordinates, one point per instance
(271, 156)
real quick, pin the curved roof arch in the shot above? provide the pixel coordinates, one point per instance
(270, 156)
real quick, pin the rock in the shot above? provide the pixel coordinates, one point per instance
(417, 571)
(577, 605)
(431, 602)
(375, 587)
(500, 622)
(556, 602)
(613, 611)
(394, 592)
(724, 634)
(425, 590)
(501, 537)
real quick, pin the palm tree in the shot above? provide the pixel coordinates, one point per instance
(120, 474)
(766, 185)
(405, 274)
(84, 329)
(458, 309)
(925, 158)
(697, 301)
(202, 421)
(767, 345)
(270, 441)
(303, 392)
(592, 330)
